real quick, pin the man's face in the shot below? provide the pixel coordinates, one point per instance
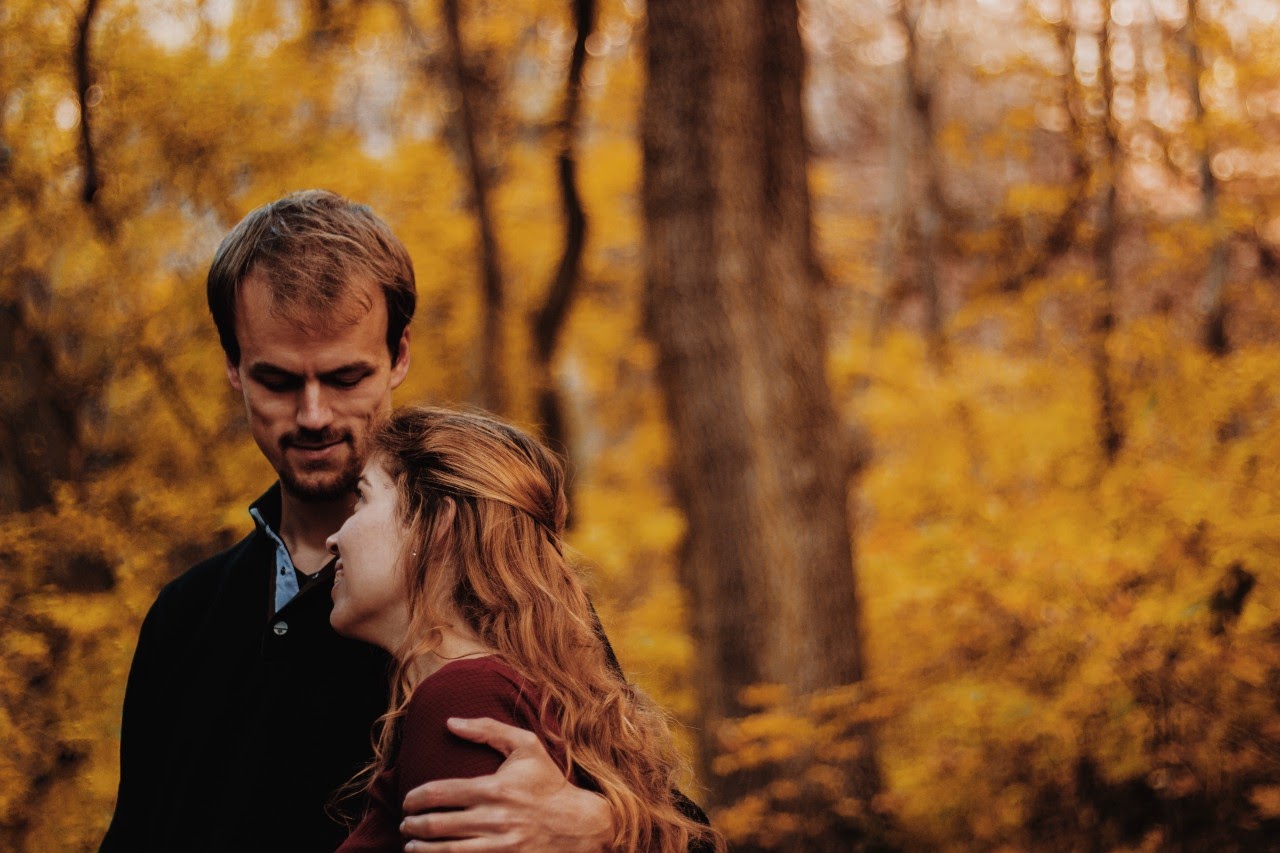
(314, 394)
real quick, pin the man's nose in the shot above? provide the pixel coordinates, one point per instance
(313, 407)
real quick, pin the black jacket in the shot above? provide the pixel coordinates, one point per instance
(238, 726)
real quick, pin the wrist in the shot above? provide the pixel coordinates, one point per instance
(595, 824)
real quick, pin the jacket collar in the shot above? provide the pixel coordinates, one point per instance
(268, 507)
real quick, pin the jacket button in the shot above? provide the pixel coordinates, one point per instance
(281, 628)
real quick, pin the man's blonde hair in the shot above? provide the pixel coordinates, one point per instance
(311, 247)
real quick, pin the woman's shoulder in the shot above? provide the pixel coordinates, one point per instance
(485, 669)
(482, 665)
(480, 686)
(467, 688)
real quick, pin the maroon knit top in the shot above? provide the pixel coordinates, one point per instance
(473, 687)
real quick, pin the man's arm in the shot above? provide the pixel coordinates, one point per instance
(527, 805)
(140, 732)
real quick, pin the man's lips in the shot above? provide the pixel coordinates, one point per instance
(315, 449)
(314, 445)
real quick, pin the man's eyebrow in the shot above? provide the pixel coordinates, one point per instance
(353, 367)
(263, 368)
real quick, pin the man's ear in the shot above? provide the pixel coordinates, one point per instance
(400, 366)
(233, 376)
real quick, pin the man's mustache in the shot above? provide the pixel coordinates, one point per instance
(313, 439)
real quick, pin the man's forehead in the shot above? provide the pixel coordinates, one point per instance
(261, 294)
(303, 341)
(258, 299)
(313, 350)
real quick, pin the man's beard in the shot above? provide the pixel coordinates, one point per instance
(318, 486)
(331, 487)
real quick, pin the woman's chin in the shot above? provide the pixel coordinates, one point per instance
(352, 630)
(340, 624)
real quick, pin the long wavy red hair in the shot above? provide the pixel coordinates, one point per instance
(485, 506)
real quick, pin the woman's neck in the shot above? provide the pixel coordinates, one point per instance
(454, 645)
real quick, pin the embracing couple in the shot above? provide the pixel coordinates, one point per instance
(398, 656)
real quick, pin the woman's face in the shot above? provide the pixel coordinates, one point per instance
(368, 590)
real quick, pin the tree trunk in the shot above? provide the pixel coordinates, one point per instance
(760, 469)
(40, 440)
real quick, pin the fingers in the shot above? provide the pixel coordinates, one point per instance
(502, 737)
(474, 825)
(469, 845)
(505, 811)
(451, 793)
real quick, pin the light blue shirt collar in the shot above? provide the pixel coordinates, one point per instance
(285, 579)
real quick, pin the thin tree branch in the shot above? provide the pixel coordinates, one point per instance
(92, 182)
(1212, 304)
(1061, 236)
(172, 392)
(493, 384)
(549, 319)
(1110, 431)
(930, 210)
(893, 220)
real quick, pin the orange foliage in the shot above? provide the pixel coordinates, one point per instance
(1054, 646)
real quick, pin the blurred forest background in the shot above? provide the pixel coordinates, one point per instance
(1006, 288)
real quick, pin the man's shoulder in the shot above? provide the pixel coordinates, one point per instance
(213, 572)
(206, 580)
(199, 606)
